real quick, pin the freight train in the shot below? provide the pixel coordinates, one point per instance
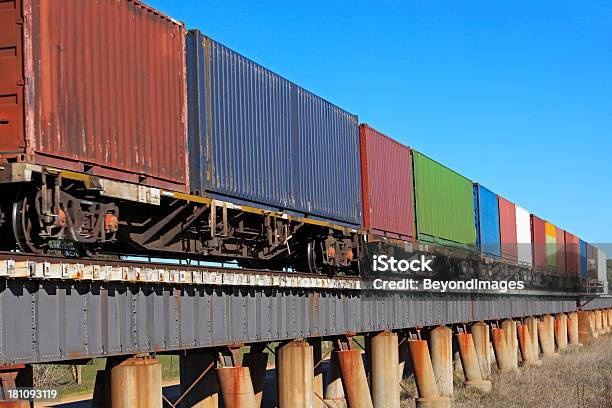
(122, 132)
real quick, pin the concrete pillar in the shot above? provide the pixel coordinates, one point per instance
(295, 375)
(526, 346)
(572, 329)
(441, 347)
(354, 379)
(586, 332)
(509, 328)
(333, 388)
(593, 322)
(317, 383)
(502, 354)
(532, 325)
(205, 393)
(598, 327)
(561, 331)
(136, 383)
(546, 333)
(257, 362)
(236, 387)
(471, 365)
(429, 395)
(609, 315)
(9, 381)
(384, 370)
(482, 343)
(604, 321)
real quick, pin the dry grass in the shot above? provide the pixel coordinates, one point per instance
(581, 378)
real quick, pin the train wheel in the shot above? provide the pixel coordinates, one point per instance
(26, 225)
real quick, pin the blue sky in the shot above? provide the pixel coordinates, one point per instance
(516, 95)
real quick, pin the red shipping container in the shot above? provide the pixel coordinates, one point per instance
(507, 228)
(538, 239)
(94, 86)
(572, 254)
(386, 180)
(561, 251)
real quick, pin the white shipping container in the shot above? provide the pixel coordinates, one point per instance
(602, 269)
(523, 236)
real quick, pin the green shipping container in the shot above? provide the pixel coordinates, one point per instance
(444, 204)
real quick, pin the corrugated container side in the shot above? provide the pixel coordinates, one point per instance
(386, 185)
(591, 253)
(572, 259)
(105, 90)
(602, 272)
(507, 229)
(583, 260)
(444, 204)
(260, 139)
(561, 251)
(538, 237)
(523, 236)
(551, 244)
(486, 215)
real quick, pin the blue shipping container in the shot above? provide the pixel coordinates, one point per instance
(583, 260)
(257, 138)
(486, 218)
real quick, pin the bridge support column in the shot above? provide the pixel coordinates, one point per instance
(482, 343)
(501, 349)
(257, 362)
(586, 330)
(295, 374)
(532, 325)
(604, 321)
(333, 389)
(572, 329)
(354, 379)
(471, 365)
(509, 328)
(429, 396)
(526, 346)
(598, 328)
(609, 316)
(203, 393)
(546, 333)
(11, 378)
(561, 331)
(384, 369)
(441, 346)
(236, 387)
(136, 383)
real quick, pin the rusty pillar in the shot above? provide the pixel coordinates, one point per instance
(384, 352)
(257, 362)
(532, 325)
(441, 348)
(236, 387)
(136, 383)
(9, 381)
(354, 379)
(470, 363)
(604, 321)
(427, 387)
(203, 393)
(586, 332)
(609, 319)
(593, 320)
(502, 354)
(561, 331)
(526, 346)
(317, 383)
(598, 328)
(482, 343)
(295, 375)
(546, 332)
(572, 329)
(333, 389)
(509, 328)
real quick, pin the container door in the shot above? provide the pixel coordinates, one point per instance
(11, 78)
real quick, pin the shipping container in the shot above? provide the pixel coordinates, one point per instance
(523, 236)
(507, 229)
(591, 253)
(257, 138)
(386, 185)
(486, 221)
(551, 245)
(94, 86)
(572, 257)
(444, 204)
(538, 238)
(602, 271)
(561, 251)
(583, 260)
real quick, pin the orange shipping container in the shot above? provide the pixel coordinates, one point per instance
(94, 86)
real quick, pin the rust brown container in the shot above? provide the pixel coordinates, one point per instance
(94, 86)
